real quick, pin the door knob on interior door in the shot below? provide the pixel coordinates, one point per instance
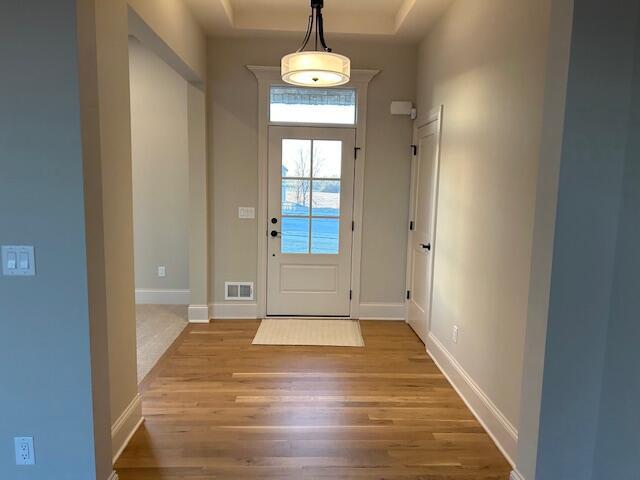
(274, 233)
(426, 246)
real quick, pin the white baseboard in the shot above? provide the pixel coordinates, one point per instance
(113, 476)
(233, 311)
(125, 426)
(152, 296)
(368, 311)
(515, 475)
(198, 314)
(492, 419)
(382, 311)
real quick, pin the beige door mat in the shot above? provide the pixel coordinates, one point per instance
(309, 331)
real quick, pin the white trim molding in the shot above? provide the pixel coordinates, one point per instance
(516, 475)
(125, 426)
(382, 311)
(113, 476)
(233, 311)
(153, 296)
(499, 428)
(267, 76)
(198, 314)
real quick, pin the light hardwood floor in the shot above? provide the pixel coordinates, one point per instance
(217, 407)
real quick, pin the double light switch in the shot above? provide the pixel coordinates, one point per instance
(18, 260)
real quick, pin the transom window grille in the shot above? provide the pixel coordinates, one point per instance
(312, 105)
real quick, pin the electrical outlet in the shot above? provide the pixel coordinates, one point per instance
(162, 271)
(456, 330)
(25, 454)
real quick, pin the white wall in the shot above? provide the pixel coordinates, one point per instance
(233, 157)
(160, 160)
(485, 62)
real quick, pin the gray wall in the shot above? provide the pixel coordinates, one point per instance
(590, 385)
(485, 62)
(114, 107)
(198, 213)
(160, 160)
(233, 157)
(618, 441)
(543, 234)
(182, 39)
(53, 352)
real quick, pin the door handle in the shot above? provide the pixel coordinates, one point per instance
(274, 233)
(426, 246)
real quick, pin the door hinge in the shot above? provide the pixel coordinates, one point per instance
(355, 152)
(414, 150)
(350, 294)
(408, 294)
(353, 226)
(411, 225)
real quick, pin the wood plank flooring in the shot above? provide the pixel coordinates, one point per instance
(217, 407)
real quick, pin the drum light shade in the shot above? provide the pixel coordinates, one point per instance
(316, 69)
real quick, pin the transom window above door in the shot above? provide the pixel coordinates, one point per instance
(310, 201)
(331, 106)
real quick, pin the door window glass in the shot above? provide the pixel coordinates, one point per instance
(296, 158)
(310, 202)
(327, 159)
(326, 198)
(295, 235)
(325, 238)
(295, 197)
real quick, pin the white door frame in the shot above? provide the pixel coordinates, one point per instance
(434, 115)
(268, 76)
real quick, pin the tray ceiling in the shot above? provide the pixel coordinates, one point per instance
(402, 20)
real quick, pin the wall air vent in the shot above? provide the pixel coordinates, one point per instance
(238, 291)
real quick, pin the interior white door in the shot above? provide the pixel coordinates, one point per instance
(311, 174)
(422, 242)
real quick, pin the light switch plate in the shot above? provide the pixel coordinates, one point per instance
(18, 261)
(246, 212)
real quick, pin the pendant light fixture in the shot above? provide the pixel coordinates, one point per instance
(317, 67)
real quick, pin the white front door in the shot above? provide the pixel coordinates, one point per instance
(421, 243)
(311, 172)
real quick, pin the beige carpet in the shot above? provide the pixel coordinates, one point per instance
(309, 331)
(157, 326)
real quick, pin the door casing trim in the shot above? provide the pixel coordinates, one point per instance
(266, 77)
